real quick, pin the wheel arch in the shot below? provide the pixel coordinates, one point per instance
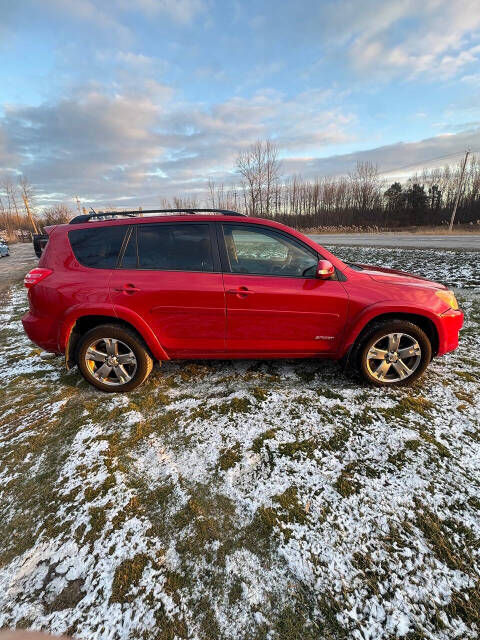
(424, 322)
(80, 325)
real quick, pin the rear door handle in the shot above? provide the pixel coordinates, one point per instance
(241, 292)
(128, 289)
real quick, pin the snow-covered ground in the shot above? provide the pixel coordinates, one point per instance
(263, 500)
(460, 269)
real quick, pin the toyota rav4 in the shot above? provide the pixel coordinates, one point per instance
(116, 292)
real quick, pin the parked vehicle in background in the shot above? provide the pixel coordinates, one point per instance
(39, 243)
(114, 292)
(4, 250)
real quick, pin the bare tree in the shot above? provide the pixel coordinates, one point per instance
(212, 193)
(272, 173)
(26, 189)
(57, 214)
(365, 186)
(247, 167)
(260, 169)
(9, 190)
(28, 196)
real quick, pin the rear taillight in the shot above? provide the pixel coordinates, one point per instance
(35, 275)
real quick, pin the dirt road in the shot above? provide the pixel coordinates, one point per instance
(12, 269)
(470, 242)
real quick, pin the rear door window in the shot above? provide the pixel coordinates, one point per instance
(97, 247)
(172, 247)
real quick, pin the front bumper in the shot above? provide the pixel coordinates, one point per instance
(451, 322)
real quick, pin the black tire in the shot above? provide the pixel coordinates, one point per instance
(414, 340)
(128, 345)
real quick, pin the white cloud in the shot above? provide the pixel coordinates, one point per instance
(110, 17)
(7, 158)
(134, 59)
(93, 12)
(472, 78)
(131, 135)
(106, 144)
(395, 160)
(181, 11)
(437, 37)
(139, 146)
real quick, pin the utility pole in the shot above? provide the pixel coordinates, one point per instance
(25, 200)
(462, 173)
(78, 204)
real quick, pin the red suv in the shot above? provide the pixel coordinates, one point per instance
(114, 292)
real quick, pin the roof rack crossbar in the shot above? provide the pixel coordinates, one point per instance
(133, 214)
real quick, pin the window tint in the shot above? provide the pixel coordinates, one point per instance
(174, 247)
(98, 248)
(264, 252)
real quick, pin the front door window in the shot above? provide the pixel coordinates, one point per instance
(265, 252)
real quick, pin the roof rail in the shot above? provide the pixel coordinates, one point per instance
(135, 214)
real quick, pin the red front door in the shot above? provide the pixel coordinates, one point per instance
(275, 305)
(272, 315)
(168, 277)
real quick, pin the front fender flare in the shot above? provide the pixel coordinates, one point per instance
(383, 308)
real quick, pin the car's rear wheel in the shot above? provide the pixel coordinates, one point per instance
(113, 358)
(394, 353)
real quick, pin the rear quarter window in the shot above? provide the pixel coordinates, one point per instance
(97, 248)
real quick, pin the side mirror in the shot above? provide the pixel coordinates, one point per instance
(325, 270)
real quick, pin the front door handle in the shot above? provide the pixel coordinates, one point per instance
(128, 289)
(241, 292)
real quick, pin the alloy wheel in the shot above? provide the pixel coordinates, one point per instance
(111, 361)
(393, 357)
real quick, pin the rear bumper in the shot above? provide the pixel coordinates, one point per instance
(42, 331)
(450, 324)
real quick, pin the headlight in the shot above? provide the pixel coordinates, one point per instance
(448, 297)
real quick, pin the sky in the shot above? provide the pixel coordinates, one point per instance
(127, 102)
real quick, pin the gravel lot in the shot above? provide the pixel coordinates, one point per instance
(12, 269)
(264, 500)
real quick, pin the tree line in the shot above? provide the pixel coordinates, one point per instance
(360, 200)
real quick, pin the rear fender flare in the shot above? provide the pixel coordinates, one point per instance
(120, 313)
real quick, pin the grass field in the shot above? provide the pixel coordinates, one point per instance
(260, 500)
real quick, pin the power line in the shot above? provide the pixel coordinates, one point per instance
(416, 164)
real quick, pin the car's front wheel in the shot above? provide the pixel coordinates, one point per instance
(113, 358)
(394, 353)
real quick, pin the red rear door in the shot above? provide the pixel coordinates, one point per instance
(170, 276)
(275, 305)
